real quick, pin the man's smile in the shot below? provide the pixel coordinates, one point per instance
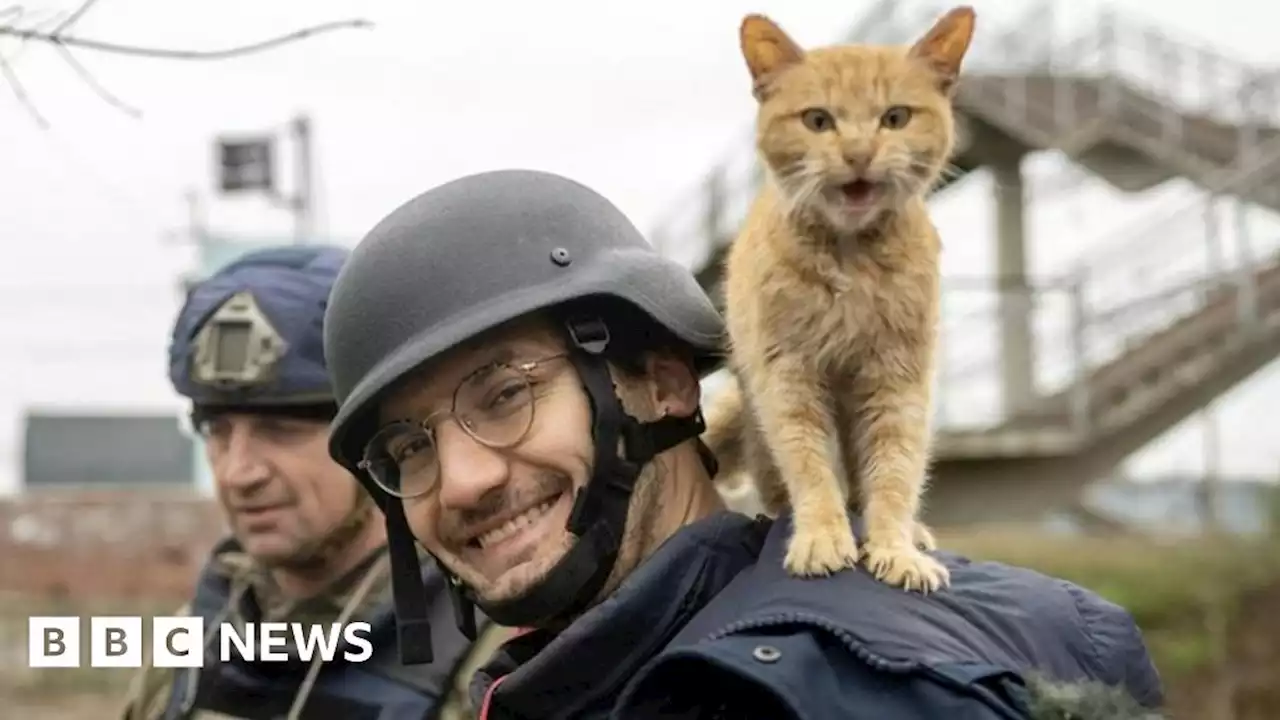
(507, 541)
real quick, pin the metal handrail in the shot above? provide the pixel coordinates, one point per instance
(1154, 88)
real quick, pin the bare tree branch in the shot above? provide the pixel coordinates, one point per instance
(10, 75)
(63, 21)
(73, 18)
(19, 12)
(96, 86)
(173, 54)
(21, 93)
(63, 42)
(64, 24)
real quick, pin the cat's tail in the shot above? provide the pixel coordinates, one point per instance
(726, 426)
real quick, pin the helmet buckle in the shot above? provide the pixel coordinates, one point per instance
(591, 335)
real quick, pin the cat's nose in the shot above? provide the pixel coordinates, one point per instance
(857, 160)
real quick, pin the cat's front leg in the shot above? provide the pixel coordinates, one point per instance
(796, 423)
(892, 434)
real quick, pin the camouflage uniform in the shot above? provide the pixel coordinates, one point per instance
(150, 691)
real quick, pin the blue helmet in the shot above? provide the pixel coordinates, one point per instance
(251, 335)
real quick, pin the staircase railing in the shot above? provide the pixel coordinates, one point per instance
(1156, 270)
(707, 216)
(1183, 81)
(1120, 70)
(1165, 267)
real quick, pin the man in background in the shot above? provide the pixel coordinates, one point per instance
(306, 543)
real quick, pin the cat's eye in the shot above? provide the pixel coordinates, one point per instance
(896, 117)
(817, 120)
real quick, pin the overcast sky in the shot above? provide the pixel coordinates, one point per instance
(635, 99)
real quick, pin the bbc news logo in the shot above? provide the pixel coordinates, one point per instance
(178, 642)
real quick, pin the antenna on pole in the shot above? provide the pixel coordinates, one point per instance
(197, 232)
(247, 164)
(303, 198)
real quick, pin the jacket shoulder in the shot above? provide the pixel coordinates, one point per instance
(1115, 643)
(802, 671)
(148, 693)
(994, 625)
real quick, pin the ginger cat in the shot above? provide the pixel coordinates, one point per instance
(832, 295)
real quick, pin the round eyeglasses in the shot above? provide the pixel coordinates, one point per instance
(494, 405)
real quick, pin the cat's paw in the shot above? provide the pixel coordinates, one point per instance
(923, 538)
(906, 566)
(822, 551)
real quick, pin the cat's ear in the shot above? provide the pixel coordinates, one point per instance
(767, 49)
(945, 45)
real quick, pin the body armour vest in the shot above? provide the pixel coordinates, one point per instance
(377, 688)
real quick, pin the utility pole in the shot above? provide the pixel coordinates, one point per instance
(198, 236)
(1211, 483)
(197, 232)
(303, 197)
(248, 164)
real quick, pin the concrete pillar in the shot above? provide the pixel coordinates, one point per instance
(1017, 346)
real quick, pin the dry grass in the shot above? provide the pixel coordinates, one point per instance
(1174, 587)
(1150, 577)
(48, 689)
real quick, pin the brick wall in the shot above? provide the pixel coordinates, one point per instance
(107, 545)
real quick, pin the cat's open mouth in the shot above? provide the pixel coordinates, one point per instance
(861, 193)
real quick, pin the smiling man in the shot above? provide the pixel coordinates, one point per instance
(306, 543)
(518, 378)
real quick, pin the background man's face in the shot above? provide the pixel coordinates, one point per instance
(280, 490)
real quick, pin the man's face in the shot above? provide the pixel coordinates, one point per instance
(496, 516)
(282, 493)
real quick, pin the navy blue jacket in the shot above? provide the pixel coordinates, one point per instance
(712, 626)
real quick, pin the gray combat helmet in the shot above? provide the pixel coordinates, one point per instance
(466, 257)
(474, 253)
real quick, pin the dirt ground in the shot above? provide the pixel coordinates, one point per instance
(1249, 682)
(60, 694)
(69, 707)
(1217, 665)
(1246, 686)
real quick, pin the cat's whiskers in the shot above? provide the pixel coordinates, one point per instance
(800, 183)
(810, 193)
(947, 173)
(898, 176)
(920, 176)
(951, 171)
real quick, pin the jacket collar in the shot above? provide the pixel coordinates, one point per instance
(587, 664)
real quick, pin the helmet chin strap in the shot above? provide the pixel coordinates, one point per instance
(598, 518)
(599, 514)
(408, 589)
